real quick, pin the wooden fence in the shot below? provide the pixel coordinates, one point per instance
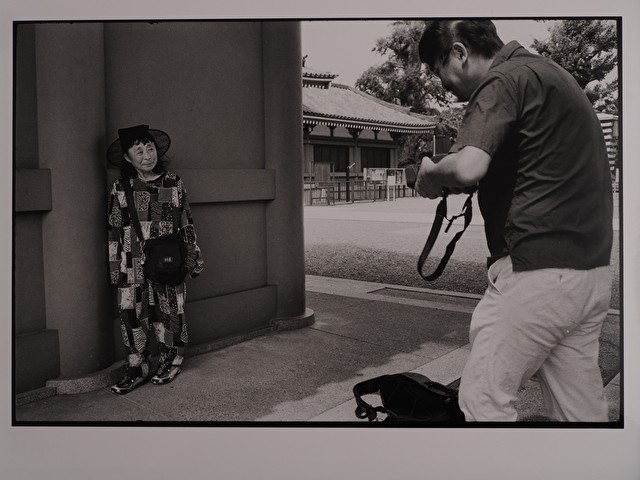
(335, 192)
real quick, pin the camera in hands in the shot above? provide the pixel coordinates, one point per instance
(411, 176)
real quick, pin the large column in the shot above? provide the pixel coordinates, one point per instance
(282, 60)
(71, 125)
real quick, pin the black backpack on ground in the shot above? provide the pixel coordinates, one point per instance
(409, 397)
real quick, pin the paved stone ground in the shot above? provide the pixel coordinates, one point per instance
(362, 330)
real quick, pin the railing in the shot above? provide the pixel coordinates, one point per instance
(330, 193)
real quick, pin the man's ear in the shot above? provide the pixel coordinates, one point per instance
(460, 52)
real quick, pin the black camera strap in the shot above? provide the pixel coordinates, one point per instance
(441, 215)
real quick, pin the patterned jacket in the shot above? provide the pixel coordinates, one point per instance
(162, 209)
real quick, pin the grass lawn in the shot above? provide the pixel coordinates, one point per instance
(382, 266)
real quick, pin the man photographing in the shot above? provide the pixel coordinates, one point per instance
(532, 142)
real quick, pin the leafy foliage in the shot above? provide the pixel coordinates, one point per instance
(400, 79)
(588, 50)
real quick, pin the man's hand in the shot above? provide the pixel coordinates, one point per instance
(426, 184)
(456, 172)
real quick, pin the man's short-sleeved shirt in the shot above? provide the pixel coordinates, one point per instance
(546, 198)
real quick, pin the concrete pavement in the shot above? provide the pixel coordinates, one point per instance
(361, 330)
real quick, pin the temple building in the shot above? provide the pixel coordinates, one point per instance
(348, 130)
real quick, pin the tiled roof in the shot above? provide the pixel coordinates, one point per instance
(346, 106)
(313, 73)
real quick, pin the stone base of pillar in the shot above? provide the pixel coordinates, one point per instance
(34, 395)
(88, 382)
(293, 323)
(72, 385)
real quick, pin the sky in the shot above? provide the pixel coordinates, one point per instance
(344, 47)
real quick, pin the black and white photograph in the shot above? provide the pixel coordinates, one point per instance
(320, 232)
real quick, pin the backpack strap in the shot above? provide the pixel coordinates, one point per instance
(364, 409)
(441, 215)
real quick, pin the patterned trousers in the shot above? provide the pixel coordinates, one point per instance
(160, 306)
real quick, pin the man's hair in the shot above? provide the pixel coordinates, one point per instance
(479, 36)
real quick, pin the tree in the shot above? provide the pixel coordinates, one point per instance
(400, 79)
(588, 50)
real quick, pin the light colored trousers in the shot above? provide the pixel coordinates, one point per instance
(544, 321)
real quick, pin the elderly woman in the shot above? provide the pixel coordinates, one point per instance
(160, 201)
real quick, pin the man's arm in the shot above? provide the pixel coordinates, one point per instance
(455, 171)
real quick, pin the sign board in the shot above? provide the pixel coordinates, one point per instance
(392, 176)
(395, 176)
(375, 174)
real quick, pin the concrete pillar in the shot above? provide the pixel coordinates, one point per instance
(71, 126)
(282, 60)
